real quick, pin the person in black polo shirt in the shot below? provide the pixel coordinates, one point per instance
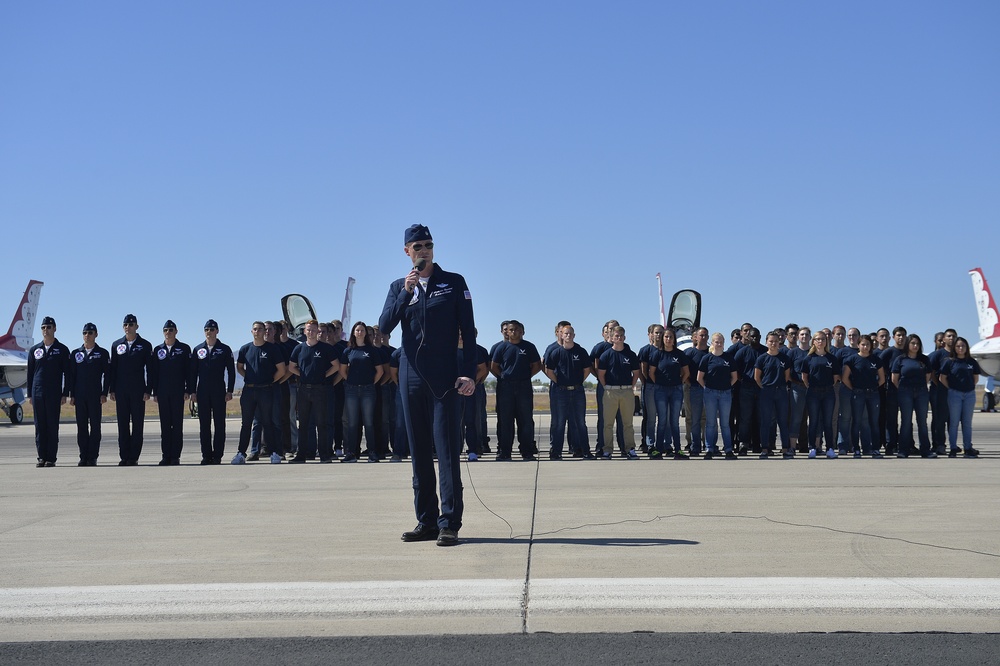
(213, 379)
(514, 362)
(48, 386)
(88, 392)
(618, 370)
(314, 362)
(568, 366)
(262, 364)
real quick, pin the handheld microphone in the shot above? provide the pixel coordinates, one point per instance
(419, 264)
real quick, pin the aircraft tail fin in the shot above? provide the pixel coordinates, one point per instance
(20, 335)
(346, 315)
(989, 316)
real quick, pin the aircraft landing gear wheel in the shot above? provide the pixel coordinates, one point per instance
(16, 414)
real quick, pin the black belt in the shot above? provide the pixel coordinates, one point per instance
(258, 385)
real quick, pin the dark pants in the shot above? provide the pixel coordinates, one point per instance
(750, 415)
(913, 400)
(471, 424)
(337, 415)
(433, 423)
(359, 407)
(88, 425)
(939, 416)
(385, 420)
(401, 440)
(820, 402)
(313, 403)
(864, 427)
(259, 400)
(891, 411)
(774, 414)
(212, 411)
(131, 410)
(514, 405)
(569, 413)
(47, 408)
(283, 406)
(171, 407)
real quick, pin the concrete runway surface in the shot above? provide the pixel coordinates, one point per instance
(714, 556)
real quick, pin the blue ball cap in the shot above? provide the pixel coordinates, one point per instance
(211, 324)
(169, 325)
(130, 319)
(48, 321)
(417, 232)
(89, 327)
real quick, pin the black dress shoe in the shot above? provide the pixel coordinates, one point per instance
(40, 463)
(175, 461)
(133, 463)
(92, 462)
(447, 538)
(207, 461)
(421, 533)
(163, 462)
(50, 464)
(82, 463)
(122, 463)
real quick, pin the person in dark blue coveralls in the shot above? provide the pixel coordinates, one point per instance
(48, 386)
(314, 362)
(169, 379)
(128, 387)
(88, 392)
(434, 307)
(213, 379)
(262, 364)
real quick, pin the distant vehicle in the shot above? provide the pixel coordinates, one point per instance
(297, 310)
(987, 350)
(14, 346)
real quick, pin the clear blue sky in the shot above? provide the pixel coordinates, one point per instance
(820, 163)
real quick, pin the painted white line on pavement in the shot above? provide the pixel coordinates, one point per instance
(496, 597)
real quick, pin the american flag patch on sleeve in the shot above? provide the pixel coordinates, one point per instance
(468, 295)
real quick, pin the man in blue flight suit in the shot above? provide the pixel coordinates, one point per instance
(129, 389)
(434, 307)
(262, 365)
(88, 393)
(169, 379)
(48, 386)
(213, 378)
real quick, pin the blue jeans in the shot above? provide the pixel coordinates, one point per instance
(650, 417)
(820, 401)
(961, 404)
(668, 401)
(774, 407)
(864, 408)
(569, 412)
(695, 415)
(359, 407)
(913, 399)
(717, 407)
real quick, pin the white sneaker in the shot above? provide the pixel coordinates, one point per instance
(473, 457)
(275, 459)
(831, 454)
(812, 453)
(240, 458)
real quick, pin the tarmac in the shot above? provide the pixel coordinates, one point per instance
(313, 552)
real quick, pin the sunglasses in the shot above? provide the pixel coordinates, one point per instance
(417, 247)
(90, 332)
(210, 329)
(169, 330)
(46, 327)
